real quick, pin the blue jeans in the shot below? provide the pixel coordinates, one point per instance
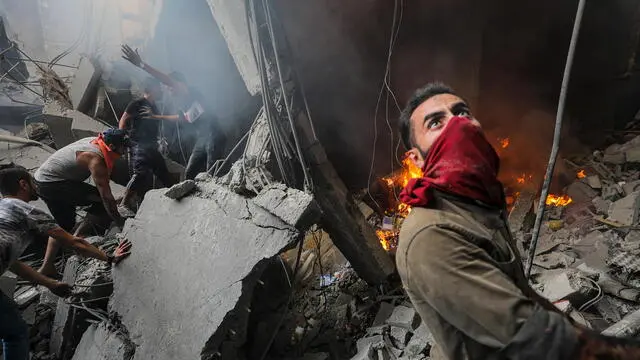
(14, 332)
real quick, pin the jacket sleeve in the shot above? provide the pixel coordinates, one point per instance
(460, 280)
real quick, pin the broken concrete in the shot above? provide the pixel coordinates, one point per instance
(404, 317)
(420, 341)
(84, 85)
(581, 192)
(288, 204)
(178, 191)
(625, 210)
(522, 210)
(99, 343)
(216, 238)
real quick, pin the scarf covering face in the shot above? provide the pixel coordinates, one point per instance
(461, 162)
(109, 155)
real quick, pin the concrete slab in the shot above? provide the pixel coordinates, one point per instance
(83, 125)
(421, 339)
(60, 129)
(625, 210)
(99, 343)
(581, 192)
(404, 317)
(188, 268)
(84, 85)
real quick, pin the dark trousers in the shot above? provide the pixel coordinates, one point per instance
(14, 332)
(205, 153)
(147, 161)
(62, 198)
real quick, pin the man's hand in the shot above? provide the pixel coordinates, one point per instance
(131, 55)
(122, 251)
(60, 289)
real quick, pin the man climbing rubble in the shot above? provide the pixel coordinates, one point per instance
(60, 182)
(21, 224)
(141, 121)
(456, 256)
(210, 140)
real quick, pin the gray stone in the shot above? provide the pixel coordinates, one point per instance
(178, 191)
(365, 354)
(84, 85)
(369, 342)
(580, 192)
(625, 210)
(385, 310)
(190, 265)
(404, 317)
(419, 342)
(594, 182)
(294, 207)
(98, 343)
(602, 206)
(631, 186)
(614, 158)
(632, 155)
(8, 282)
(400, 336)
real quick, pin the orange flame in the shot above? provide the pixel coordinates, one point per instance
(524, 178)
(504, 142)
(581, 174)
(555, 200)
(385, 237)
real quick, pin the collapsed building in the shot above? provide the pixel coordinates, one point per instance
(276, 252)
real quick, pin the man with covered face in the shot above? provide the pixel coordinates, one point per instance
(456, 256)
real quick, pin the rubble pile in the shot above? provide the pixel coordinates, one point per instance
(587, 257)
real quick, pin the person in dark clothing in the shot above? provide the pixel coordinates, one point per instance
(140, 120)
(210, 140)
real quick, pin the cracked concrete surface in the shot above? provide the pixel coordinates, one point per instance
(188, 262)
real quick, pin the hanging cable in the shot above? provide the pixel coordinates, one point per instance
(398, 10)
(556, 135)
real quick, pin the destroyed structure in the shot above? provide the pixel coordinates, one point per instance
(276, 252)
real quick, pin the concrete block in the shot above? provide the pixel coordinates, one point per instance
(558, 288)
(189, 268)
(83, 125)
(580, 192)
(404, 317)
(60, 129)
(386, 309)
(84, 85)
(294, 207)
(420, 341)
(369, 342)
(625, 210)
(180, 190)
(8, 282)
(400, 336)
(631, 186)
(594, 182)
(614, 158)
(99, 343)
(522, 209)
(632, 155)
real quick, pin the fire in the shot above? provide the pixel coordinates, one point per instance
(504, 142)
(524, 178)
(555, 200)
(386, 238)
(581, 174)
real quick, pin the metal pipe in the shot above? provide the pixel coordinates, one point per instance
(7, 49)
(556, 135)
(8, 71)
(19, 140)
(41, 62)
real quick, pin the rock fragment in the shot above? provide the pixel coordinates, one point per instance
(180, 190)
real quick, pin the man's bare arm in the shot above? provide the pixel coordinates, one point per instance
(100, 176)
(133, 57)
(122, 124)
(26, 272)
(79, 244)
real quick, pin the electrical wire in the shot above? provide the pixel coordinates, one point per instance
(398, 11)
(593, 301)
(556, 135)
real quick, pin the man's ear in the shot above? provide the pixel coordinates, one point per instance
(415, 156)
(24, 184)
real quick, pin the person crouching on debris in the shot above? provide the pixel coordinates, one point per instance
(60, 182)
(142, 123)
(456, 256)
(20, 224)
(210, 141)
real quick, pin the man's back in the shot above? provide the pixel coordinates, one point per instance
(143, 130)
(62, 165)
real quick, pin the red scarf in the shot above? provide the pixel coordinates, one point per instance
(462, 162)
(109, 155)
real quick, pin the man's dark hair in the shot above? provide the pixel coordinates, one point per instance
(10, 176)
(115, 137)
(178, 76)
(419, 96)
(150, 84)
